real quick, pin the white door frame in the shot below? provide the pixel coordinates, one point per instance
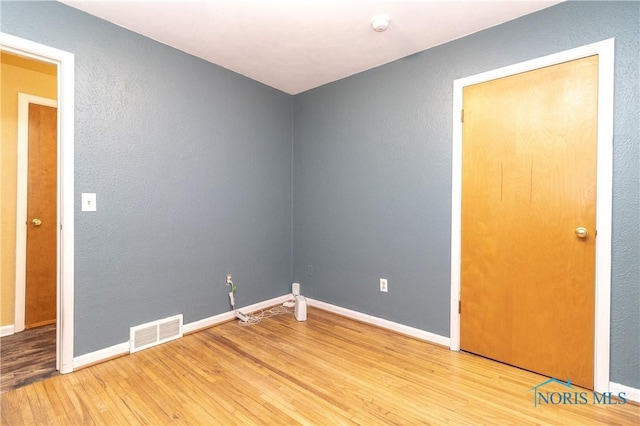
(22, 178)
(605, 51)
(65, 250)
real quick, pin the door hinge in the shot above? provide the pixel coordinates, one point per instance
(459, 306)
(462, 115)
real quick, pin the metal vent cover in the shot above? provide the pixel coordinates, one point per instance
(154, 333)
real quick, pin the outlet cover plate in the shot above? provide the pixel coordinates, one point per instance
(384, 285)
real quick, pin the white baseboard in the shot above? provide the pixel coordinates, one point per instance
(227, 316)
(123, 348)
(101, 355)
(6, 330)
(380, 322)
(632, 394)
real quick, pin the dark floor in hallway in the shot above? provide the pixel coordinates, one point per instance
(27, 357)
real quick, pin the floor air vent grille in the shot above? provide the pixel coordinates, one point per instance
(154, 333)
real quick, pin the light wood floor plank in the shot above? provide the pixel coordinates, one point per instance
(327, 370)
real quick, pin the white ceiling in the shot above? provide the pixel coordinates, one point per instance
(296, 45)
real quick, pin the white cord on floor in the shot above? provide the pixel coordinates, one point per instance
(256, 317)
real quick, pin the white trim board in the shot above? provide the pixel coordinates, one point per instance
(101, 355)
(123, 348)
(381, 322)
(65, 259)
(227, 316)
(632, 394)
(6, 330)
(24, 100)
(605, 50)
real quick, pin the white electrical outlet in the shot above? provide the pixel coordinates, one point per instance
(384, 285)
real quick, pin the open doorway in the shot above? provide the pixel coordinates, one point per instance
(29, 200)
(63, 244)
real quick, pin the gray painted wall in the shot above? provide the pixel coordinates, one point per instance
(191, 164)
(372, 173)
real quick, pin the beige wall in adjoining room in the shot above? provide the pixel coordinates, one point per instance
(17, 75)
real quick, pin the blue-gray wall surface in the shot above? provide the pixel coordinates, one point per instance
(192, 165)
(372, 173)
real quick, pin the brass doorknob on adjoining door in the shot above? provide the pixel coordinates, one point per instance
(36, 222)
(582, 232)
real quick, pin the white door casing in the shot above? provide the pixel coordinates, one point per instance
(65, 191)
(21, 203)
(605, 51)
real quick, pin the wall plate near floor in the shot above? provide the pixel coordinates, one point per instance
(384, 285)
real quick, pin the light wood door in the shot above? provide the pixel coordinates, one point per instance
(40, 289)
(529, 181)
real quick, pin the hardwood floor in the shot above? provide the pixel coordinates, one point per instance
(27, 357)
(327, 370)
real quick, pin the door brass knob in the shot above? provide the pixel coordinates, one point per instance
(36, 222)
(582, 232)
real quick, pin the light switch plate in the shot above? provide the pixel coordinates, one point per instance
(88, 202)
